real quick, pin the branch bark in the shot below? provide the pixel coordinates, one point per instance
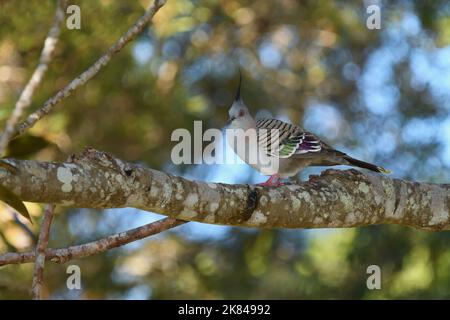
(335, 199)
(41, 247)
(84, 250)
(92, 70)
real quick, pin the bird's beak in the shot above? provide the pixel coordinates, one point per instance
(230, 121)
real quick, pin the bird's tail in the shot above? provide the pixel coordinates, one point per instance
(365, 165)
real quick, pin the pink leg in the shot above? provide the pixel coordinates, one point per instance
(274, 181)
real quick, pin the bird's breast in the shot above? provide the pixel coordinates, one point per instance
(248, 150)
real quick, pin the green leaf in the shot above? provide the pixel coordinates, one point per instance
(25, 146)
(13, 201)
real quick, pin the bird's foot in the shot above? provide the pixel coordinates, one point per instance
(274, 181)
(271, 184)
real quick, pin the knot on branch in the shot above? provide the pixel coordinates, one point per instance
(62, 257)
(340, 173)
(102, 159)
(251, 204)
(331, 175)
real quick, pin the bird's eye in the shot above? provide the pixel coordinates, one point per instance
(241, 113)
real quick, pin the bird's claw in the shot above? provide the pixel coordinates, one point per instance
(271, 184)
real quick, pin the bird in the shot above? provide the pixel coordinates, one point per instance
(282, 149)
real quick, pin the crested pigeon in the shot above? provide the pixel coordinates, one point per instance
(288, 146)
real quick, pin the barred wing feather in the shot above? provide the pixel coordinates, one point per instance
(283, 140)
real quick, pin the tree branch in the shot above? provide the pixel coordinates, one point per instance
(335, 199)
(38, 74)
(92, 70)
(80, 251)
(41, 247)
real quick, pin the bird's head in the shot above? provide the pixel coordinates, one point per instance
(239, 115)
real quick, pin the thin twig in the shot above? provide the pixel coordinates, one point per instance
(95, 247)
(27, 94)
(92, 70)
(41, 247)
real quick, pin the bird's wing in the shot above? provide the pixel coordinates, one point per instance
(284, 140)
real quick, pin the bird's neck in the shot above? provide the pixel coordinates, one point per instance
(245, 123)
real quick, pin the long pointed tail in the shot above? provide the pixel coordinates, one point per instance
(366, 165)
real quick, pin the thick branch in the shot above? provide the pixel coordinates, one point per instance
(93, 70)
(88, 249)
(335, 199)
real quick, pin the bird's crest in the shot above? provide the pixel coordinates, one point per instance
(238, 93)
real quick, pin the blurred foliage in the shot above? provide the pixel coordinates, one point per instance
(382, 95)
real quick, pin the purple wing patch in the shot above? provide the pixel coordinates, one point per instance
(308, 143)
